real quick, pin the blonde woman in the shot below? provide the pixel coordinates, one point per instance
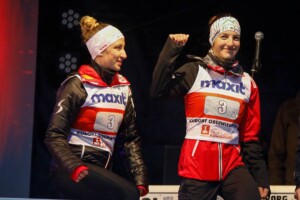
(93, 119)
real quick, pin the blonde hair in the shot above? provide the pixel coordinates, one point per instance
(90, 26)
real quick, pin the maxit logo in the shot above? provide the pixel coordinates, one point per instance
(109, 98)
(237, 88)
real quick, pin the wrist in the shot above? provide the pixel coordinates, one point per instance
(77, 171)
(144, 189)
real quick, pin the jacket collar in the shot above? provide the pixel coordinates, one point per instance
(97, 75)
(216, 64)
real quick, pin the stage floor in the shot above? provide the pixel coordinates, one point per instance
(169, 192)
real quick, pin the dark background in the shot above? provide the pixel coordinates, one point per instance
(146, 25)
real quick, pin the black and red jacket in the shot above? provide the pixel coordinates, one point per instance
(67, 116)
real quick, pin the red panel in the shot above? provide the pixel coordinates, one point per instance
(17, 69)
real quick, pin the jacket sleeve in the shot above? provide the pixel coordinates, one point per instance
(252, 150)
(277, 152)
(166, 82)
(70, 97)
(128, 143)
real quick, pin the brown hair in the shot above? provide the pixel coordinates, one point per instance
(218, 16)
(90, 26)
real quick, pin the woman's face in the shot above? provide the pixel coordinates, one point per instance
(112, 58)
(226, 45)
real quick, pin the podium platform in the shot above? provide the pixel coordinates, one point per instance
(169, 192)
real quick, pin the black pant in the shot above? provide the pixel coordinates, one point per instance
(239, 184)
(99, 184)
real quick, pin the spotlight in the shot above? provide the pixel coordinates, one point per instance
(67, 63)
(70, 18)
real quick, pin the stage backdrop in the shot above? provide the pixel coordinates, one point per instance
(18, 38)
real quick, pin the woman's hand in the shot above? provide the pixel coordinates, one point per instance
(81, 175)
(143, 190)
(179, 39)
(264, 192)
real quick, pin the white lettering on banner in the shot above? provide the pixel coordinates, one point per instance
(170, 192)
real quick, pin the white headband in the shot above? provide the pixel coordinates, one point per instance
(221, 25)
(102, 39)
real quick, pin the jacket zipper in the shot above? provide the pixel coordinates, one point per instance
(195, 147)
(220, 161)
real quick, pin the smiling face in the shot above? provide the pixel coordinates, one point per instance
(112, 58)
(226, 45)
